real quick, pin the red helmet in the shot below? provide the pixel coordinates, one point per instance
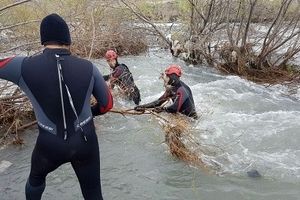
(111, 55)
(173, 69)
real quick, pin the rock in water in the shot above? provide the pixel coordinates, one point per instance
(4, 165)
(253, 173)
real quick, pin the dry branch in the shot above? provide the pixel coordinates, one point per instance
(19, 24)
(146, 20)
(16, 113)
(94, 35)
(13, 5)
(178, 137)
(246, 32)
(20, 46)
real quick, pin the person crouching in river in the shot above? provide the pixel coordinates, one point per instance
(177, 91)
(121, 77)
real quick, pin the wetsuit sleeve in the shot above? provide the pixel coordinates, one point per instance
(10, 69)
(117, 72)
(157, 102)
(116, 75)
(153, 104)
(181, 97)
(102, 94)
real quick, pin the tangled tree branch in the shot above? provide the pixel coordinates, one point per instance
(178, 137)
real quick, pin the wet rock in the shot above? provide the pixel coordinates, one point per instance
(253, 173)
(4, 165)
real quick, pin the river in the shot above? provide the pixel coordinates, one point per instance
(243, 126)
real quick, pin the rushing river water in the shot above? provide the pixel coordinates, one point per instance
(244, 126)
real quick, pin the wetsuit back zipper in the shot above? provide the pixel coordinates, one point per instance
(61, 80)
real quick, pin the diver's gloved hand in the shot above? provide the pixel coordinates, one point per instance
(139, 108)
(158, 109)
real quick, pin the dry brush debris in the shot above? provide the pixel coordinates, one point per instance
(16, 114)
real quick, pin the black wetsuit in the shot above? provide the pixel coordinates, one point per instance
(122, 77)
(75, 140)
(182, 98)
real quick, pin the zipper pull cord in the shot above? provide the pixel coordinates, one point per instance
(74, 110)
(59, 70)
(83, 133)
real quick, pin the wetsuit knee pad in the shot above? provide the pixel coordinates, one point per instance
(34, 193)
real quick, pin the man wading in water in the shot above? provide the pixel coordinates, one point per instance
(122, 77)
(59, 87)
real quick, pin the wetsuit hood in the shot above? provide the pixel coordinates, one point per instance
(53, 28)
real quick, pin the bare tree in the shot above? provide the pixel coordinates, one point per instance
(134, 9)
(282, 32)
(252, 6)
(261, 47)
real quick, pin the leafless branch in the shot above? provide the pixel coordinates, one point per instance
(19, 46)
(19, 24)
(94, 34)
(252, 6)
(13, 5)
(197, 10)
(146, 20)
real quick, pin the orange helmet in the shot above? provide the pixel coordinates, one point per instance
(173, 69)
(111, 55)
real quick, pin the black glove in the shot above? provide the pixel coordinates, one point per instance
(158, 109)
(106, 77)
(139, 108)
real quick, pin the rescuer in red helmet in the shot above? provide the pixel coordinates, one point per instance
(122, 77)
(177, 91)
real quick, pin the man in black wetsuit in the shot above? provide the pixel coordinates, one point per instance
(59, 87)
(177, 91)
(122, 77)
